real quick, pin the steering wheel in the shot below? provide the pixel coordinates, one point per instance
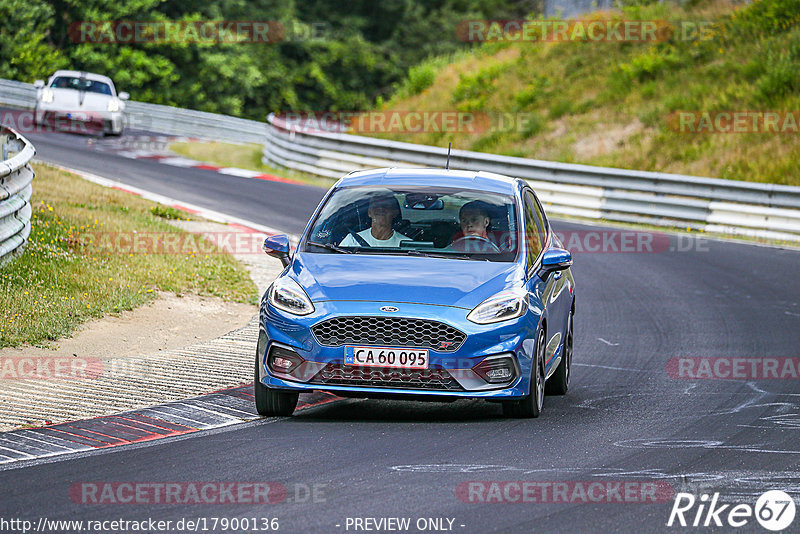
(474, 243)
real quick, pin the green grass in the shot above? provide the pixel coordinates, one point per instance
(65, 278)
(610, 103)
(244, 156)
(169, 213)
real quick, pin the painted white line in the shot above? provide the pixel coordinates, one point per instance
(610, 344)
(180, 162)
(242, 173)
(136, 154)
(23, 453)
(167, 201)
(611, 368)
(52, 441)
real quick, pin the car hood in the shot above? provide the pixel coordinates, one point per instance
(70, 100)
(386, 278)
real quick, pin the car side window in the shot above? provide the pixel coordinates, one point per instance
(534, 233)
(541, 217)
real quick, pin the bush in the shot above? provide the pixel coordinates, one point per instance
(480, 84)
(780, 79)
(420, 77)
(649, 65)
(166, 212)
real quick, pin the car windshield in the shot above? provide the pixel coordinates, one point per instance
(81, 84)
(421, 221)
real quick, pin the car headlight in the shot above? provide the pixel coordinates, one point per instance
(287, 295)
(47, 96)
(500, 307)
(113, 105)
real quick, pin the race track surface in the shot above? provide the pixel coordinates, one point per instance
(628, 417)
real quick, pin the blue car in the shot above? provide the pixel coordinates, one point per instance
(424, 284)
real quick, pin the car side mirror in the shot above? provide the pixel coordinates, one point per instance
(123, 96)
(555, 259)
(277, 246)
(38, 84)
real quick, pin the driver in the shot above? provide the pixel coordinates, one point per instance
(474, 235)
(474, 219)
(383, 211)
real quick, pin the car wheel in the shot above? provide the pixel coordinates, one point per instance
(531, 406)
(272, 402)
(559, 381)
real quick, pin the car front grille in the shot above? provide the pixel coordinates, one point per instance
(382, 377)
(388, 331)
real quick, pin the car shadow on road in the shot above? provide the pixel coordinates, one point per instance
(410, 411)
(374, 410)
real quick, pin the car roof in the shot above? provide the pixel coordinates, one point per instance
(87, 75)
(481, 180)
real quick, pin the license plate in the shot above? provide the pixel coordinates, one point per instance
(395, 357)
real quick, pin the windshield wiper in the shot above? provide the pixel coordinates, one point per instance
(415, 252)
(331, 246)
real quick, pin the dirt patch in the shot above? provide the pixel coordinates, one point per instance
(174, 348)
(167, 323)
(606, 140)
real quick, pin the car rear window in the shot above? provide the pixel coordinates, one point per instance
(82, 84)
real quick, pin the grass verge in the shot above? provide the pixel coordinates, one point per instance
(64, 279)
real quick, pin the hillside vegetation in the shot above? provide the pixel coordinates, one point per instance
(213, 55)
(616, 103)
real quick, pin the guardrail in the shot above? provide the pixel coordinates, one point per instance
(16, 176)
(153, 117)
(722, 206)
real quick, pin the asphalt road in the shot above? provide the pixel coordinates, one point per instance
(286, 206)
(626, 418)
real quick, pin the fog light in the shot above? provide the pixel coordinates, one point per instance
(283, 359)
(282, 363)
(497, 369)
(499, 374)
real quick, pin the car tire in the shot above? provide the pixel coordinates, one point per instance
(273, 402)
(558, 384)
(531, 406)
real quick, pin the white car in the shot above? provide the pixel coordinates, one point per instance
(71, 97)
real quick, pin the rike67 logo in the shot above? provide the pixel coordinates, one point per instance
(774, 510)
